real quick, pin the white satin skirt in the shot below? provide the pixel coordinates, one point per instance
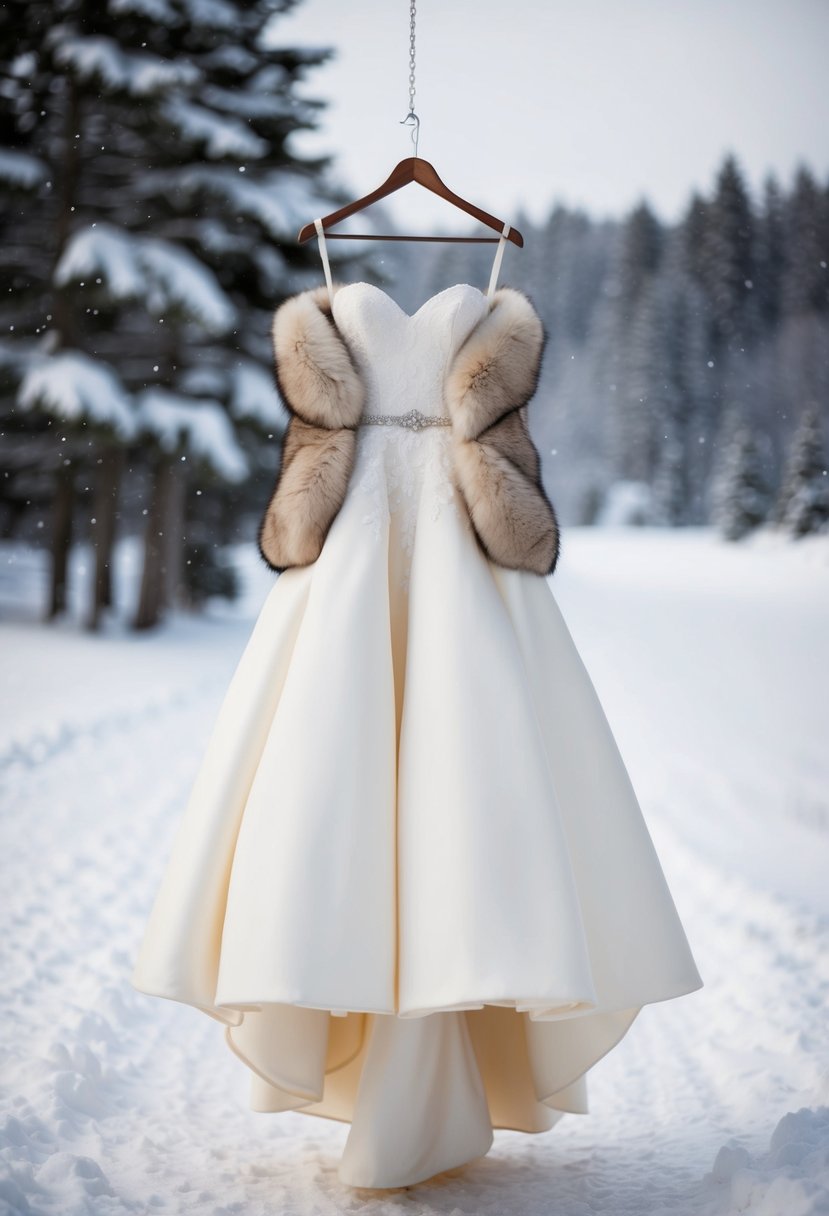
(413, 879)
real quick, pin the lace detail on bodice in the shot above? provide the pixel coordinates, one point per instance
(403, 359)
(398, 472)
(391, 473)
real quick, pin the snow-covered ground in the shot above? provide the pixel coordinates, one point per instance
(711, 662)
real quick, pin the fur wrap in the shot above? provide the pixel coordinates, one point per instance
(496, 466)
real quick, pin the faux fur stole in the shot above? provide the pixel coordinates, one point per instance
(496, 465)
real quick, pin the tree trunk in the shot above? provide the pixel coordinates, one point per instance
(174, 536)
(64, 324)
(62, 509)
(103, 529)
(153, 578)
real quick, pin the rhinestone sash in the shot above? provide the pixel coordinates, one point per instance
(414, 420)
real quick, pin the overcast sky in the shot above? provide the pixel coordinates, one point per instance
(593, 103)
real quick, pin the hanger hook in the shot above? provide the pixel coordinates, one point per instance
(415, 125)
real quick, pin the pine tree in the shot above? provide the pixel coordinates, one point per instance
(641, 250)
(82, 410)
(803, 502)
(164, 227)
(805, 285)
(727, 260)
(182, 434)
(741, 496)
(693, 229)
(666, 365)
(229, 192)
(771, 255)
(82, 400)
(628, 291)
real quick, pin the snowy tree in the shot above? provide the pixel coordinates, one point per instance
(803, 502)
(693, 228)
(81, 396)
(729, 259)
(564, 274)
(183, 433)
(635, 258)
(771, 253)
(741, 495)
(640, 252)
(805, 285)
(666, 356)
(158, 206)
(644, 382)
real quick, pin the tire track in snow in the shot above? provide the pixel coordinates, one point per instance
(42, 745)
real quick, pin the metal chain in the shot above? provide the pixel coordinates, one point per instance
(411, 114)
(411, 56)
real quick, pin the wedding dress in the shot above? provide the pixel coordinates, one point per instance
(413, 879)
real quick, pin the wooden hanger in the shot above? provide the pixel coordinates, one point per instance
(412, 169)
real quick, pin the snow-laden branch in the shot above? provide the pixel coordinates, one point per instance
(281, 202)
(100, 60)
(251, 102)
(218, 135)
(134, 267)
(72, 387)
(201, 425)
(254, 397)
(157, 10)
(20, 169)
(214, 14)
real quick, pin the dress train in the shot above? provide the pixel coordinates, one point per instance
(421, 1106)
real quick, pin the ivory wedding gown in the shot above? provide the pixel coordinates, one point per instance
(413, 879)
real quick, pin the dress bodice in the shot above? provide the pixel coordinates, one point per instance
(403, 358)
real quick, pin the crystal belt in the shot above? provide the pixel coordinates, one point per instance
(414, 420)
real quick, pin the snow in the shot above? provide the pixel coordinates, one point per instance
(252, 103)
(158, 10)
(626, 502)
(21, 169)
(255, 398)
(161, 274)
(100, 59)
(234, 58)
(280, 201)
(105, 251)
(203, 425)
(219, 135)
(72, 387)
(710, 659)
(214, 14)
(790, 1179)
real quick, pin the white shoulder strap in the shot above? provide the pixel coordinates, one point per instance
(324, 255)
(493, 278)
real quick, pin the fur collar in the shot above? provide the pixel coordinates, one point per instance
(489, 382)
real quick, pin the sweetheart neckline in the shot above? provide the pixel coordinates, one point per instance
(410, 316)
